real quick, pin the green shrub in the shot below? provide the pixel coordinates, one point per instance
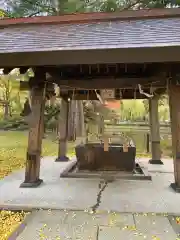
(13, 123)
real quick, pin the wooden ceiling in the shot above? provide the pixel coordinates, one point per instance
(79, 81)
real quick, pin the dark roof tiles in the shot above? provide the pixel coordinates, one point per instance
(100, 35)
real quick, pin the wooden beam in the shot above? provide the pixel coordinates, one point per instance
(129, 93)
(101, 56)
(88, 94)
(35, 139)
(174, 95)
(91, 95)
(110, 82)
(118, 69)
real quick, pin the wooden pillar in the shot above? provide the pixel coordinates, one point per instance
(36, 123)
(174, 96)
(155, 131)
(63, 131)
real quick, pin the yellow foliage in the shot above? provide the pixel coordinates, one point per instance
(2, 13)
(13, 147)
(9, 221)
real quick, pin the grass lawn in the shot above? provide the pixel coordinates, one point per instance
(13, 148)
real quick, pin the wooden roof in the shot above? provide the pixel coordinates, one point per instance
(60, 38)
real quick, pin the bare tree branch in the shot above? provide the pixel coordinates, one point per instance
(34, 14)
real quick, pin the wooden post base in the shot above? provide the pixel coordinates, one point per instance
(175, 187)
(159, 162)
(31, 184)
(62, 159)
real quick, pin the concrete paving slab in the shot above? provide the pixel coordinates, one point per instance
(55, 192)
(167, 167)
(53, 225)
(173, 206)
(52, 231)
(175, 223)
(132, 196)
(171, 199)
(123, 204)
(115, 233)
(61, 193)
(162, 180)
(50, 170)
(99, 226)
(105, 219)
(46, 216)
(155, 226)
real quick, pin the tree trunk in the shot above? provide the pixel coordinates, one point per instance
(155, 131)
(80, 124)
(6, 111)
(72, 121)
(63, 131)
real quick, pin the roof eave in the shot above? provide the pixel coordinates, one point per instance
(94, 17)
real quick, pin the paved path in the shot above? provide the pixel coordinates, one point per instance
(66, 225)
(121, 196)
(79, 194)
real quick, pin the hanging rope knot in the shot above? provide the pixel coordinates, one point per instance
(142, 92)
